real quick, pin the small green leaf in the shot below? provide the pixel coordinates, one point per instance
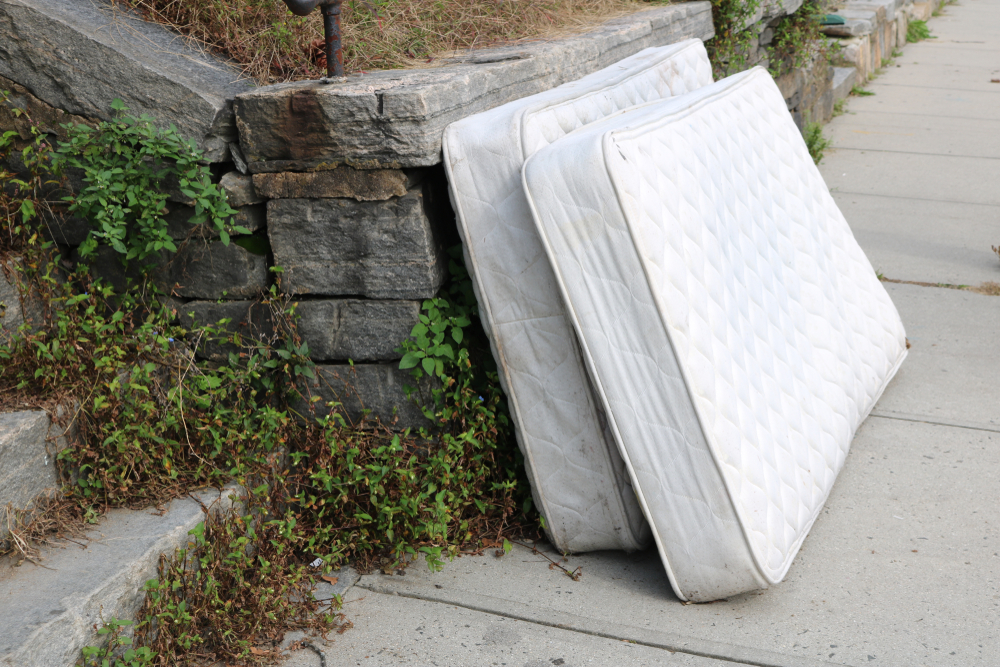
(410, 360)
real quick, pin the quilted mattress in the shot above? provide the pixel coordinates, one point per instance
(735, 332)
(578, 479)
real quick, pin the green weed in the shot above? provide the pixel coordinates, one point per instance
(123, 163)
(117, 650)
(798, 41)
(734, 40)
(815, 141)
(861, 92)
(156, 422)
(917, 30)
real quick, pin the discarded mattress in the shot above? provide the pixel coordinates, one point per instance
(577, 476)
(735, 331)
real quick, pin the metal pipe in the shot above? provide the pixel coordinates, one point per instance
(331, 30)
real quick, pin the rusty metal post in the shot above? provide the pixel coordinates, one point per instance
(331, 30)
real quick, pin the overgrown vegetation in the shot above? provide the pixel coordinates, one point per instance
(315, 489)
(917, 31)
(798, 42)
(273, 45)
(735, 38)
(815, 141)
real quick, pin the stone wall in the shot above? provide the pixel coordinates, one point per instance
(340, 185)
(873, 30)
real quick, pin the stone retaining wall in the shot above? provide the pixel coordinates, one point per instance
(340, 185)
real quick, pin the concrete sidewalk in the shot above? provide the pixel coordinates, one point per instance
(916, 168)
(903, 566)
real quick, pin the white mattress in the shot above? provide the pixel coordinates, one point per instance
(736, 333)
(578, 478)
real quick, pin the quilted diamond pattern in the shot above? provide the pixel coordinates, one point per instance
(579, 480)
(766, 337)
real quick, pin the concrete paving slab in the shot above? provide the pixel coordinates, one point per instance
(951, 373)
(970, 180)
(916, 239)
(935, 76)
(941, 51)
(945, 103)
(929, 135)
(391, 630)
(900, 569)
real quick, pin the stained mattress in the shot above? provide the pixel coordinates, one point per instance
(577, 475)
(735, 331)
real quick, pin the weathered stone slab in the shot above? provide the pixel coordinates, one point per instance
(356, 329)
(214, 270)
(17, 304)
(27, 468)
(902, 26)
(850, 28)
(81, 55)
(48, 118)
(65, 229)
(377, 388)
(29, 444)
(48, 614)
(334, 329)
(251, 319)
(239, 189)
(396, 118)
(844, 79)
(342, 247)
(360, 184)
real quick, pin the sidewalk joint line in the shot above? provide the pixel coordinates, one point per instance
(922, 115)
(665, 646)
(926, 420)
(886, 150)
(877, 84)
(834, 191)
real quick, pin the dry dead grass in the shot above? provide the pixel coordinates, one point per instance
(272, 45)
(988, 288)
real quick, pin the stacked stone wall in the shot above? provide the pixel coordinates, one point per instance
(341, 186)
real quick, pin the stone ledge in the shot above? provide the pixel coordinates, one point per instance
(29, 445)
(396, 118)
(79, 55)
(48, 615)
